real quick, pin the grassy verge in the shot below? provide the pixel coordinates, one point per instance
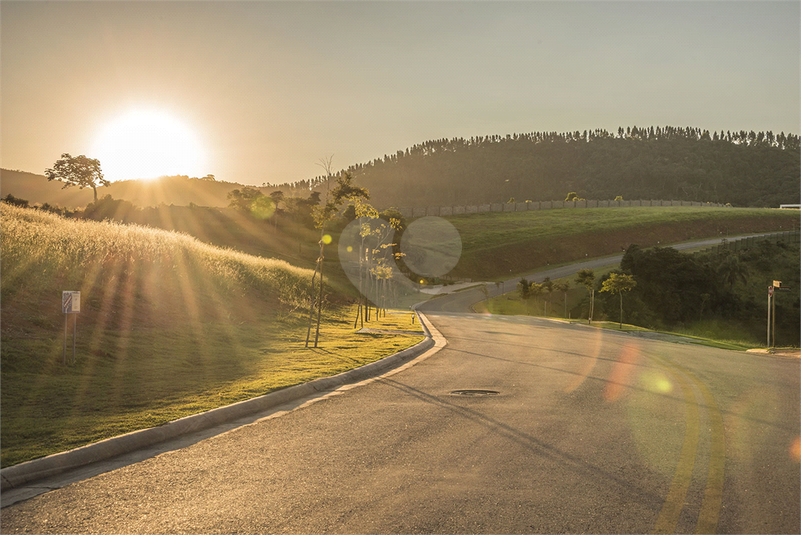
(168, 327)
(682, 336)
(146, 378)
(712, 333)
(511, 303)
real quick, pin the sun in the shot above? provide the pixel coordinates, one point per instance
(147, 144)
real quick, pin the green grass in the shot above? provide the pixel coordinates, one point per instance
(168, 327)
(148, 378)
(501, 245)
(712, 333)
(683, 335)
(511, 303)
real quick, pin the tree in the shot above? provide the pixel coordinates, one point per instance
(586, 277)
(277, 196)
(547, 287)
(524, 288)
(242, 199)
(375, 253)
(731, 270)
(619, 282)
(16, 201)
(344, 190)
(77, 171)
(251, 201)
(562, 286)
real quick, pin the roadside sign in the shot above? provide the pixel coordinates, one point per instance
(70, 302)
(770, 291)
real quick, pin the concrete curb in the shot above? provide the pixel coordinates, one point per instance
(20, 474)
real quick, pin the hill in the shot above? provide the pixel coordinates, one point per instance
(168, 327)
(501, 245)
(741, 168)
(754, 169)
(178, 190)
(38, 190)
(133, 275)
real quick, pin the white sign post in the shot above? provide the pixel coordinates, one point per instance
(70, 304)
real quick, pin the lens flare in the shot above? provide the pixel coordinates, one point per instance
(619, 378)
(262, 208)
(431, 246)
(656, 382)
(795, 450)
(589, 363)
(326, 239)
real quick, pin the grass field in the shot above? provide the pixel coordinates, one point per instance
(168, 327)
(501, 245)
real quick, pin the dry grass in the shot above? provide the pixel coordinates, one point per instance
(168, 327)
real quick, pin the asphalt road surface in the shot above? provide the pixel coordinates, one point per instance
(558, 428)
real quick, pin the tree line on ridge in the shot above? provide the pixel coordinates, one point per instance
(744, 168)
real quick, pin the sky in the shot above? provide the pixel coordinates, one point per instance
(269, 89)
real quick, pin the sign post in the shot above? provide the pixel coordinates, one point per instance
(770, 299)
(70, 304)
(777, 287)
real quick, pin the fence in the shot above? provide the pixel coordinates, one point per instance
(742, 244)
(444, 211)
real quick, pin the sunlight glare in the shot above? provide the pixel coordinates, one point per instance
(147, 144)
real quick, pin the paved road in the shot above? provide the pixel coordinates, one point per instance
(590, 431)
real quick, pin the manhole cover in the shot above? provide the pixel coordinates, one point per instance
(474, 392)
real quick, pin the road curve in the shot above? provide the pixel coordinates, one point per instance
(567, 429)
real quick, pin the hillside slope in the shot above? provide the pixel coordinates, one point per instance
(744, 169)
(128, 273)
(500, 245)
(177, 190)
(168, 327)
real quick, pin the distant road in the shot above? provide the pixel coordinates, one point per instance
(461, 301)
(577, 430)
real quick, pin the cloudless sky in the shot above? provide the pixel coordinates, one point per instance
(270, 88)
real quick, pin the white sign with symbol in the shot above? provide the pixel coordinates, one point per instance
(70, 302)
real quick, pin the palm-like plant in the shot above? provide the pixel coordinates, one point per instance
(731, 271)
(619, 283)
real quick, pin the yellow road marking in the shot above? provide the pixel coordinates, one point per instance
(713, 496)
(709, 513)
(674, 501)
